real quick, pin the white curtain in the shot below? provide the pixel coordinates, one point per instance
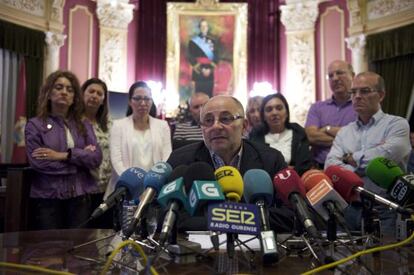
(9, 70)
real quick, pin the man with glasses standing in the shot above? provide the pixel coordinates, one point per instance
(372, 135)
(222, 122)
(325, 118)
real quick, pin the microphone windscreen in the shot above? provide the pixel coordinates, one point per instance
(133, 180)
(286, 182)
(383, 172)
(157, 176)
(313, 177)
(198, 171)
(231, 182)
(178, 172)
(344, 181)
(258, 186)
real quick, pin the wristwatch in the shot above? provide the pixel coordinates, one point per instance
(327, 128)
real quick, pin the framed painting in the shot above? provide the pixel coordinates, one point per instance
(206, 50)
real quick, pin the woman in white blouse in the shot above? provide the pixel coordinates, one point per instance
(277, 132)
(138, 140)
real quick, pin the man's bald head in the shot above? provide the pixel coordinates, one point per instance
(340, 75)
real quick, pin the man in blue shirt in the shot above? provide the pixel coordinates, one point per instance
(373, 134)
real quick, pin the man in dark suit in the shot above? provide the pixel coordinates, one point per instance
(222, 122)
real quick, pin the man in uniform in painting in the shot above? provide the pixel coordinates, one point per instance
(202, 54)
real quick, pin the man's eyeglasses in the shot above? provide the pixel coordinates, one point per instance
(362, 91)
(138, 98)
(224, 118)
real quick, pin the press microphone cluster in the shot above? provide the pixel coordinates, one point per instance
(173, 196)
(388, 175)
(349, 184)
(129, 186)
(291, 190)
(154, 180)
(322, 196)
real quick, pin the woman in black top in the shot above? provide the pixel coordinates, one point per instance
(279, 133)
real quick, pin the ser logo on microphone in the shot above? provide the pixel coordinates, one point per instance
(224, 173)
(233, 217)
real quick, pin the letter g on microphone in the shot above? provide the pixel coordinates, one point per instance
(210, 190)
(160, 167)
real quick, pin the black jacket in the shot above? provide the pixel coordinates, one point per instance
(254, 156)
(301, 158)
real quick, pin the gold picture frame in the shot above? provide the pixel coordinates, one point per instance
(227, 35)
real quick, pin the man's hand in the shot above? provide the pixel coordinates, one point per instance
(348, 159)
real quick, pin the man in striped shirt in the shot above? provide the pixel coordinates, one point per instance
(190, 130)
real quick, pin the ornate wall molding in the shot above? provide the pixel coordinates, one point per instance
(357, 44)
(114, 15)
(113, 20)
(380, 8)
(376, 16)
(299, 16)
(331, 45)
(53, 41)
(34, 7)
(299, 20)
(56, 12)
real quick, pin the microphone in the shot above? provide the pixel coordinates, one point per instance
(348, 184)
(153, 182)
(388, 175)
(312, 177)
(204, 188)
(172, 195)
(325, 200)
(291, 190)
(258, 189)
(129, 185)
(323, 197)
(231, 183)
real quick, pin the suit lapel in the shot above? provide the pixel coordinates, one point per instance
(250, 159)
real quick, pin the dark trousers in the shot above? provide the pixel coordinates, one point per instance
(59, 214)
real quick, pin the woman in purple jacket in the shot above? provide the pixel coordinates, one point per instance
(62, 149)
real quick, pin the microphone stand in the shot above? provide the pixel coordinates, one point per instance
(368, 224)
(301, 232)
